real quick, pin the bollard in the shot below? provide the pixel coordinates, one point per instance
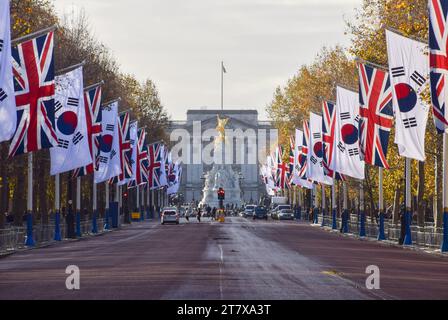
(345, 221)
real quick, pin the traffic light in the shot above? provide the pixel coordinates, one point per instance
(221, 194)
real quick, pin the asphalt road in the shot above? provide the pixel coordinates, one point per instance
(239, 259)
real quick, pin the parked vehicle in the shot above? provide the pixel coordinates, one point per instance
(274, 212)
(249, 211)
(170, 215)
(285, 214)
(260, 212)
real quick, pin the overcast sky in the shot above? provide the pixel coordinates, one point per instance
(179, 44)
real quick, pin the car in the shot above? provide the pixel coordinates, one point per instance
(249, 211)
(170, 215)
(274, 211)
(260, 212)
(285, 214)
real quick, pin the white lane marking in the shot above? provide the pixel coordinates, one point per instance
(220, 272)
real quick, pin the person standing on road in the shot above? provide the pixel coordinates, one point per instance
(199, 215)
(187, 214)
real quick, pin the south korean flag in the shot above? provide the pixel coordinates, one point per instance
(315, 168)
(72, 150)
(8, 110)
(346, 152)
(409, 70)
(109, 165)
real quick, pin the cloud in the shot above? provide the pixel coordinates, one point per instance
(179, 44)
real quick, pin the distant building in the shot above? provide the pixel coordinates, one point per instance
(262, 133)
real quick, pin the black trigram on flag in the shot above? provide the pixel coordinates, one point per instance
(77, 138)
(398, 72)
(316, 135)
(113, 153)
(3, 95)
(341, 147)
(1, 45)
(345, 115)
(410, 123)
(57, 106)
(353, 152)
(73, 102)
(418, 78)
(313, 160)
(110, 127)
(357, 118)
(63, 143)
(102, 159)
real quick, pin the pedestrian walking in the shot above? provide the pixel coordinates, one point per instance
(199, 215)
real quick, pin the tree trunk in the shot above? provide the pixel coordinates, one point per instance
(421, 191)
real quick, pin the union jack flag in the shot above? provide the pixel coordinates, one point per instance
(125, 146)
(34, 86)
(291, 160)
(282, 170)
(328, 128)
(376, 114)
(303, 151)
(141, 174)
(155, 165)
(92, 103)
(438, 40)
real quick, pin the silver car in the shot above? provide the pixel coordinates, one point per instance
(170, 215)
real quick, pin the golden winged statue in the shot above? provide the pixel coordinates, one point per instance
(221, 128)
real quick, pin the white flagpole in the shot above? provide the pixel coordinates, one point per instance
(444, 246)
(78, 206)
(362, 213)
(345, 209)
(323, 205)
(148, 202)
(137, 188)
(117, 200)
(29, 237)
(381, 233)
(143, 202)
(334, 206)
(57, 208)
(94, 208)
(222, 85)
(107, 225)
(408, 212)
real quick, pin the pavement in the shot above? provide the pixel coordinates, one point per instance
(240, 259)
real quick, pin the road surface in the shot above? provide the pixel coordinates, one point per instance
(239, 259)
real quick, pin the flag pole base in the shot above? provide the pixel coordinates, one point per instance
(316, 216)
(345, 221)
(444, 246)
(381, 233)
(57, 226)
(408, 235)
(106, 224)
(334, 225)
(94, 222)
(29, 230)
(78, 224)
(362, 229)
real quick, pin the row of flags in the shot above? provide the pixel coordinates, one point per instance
(354, 131)
(39, 110)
